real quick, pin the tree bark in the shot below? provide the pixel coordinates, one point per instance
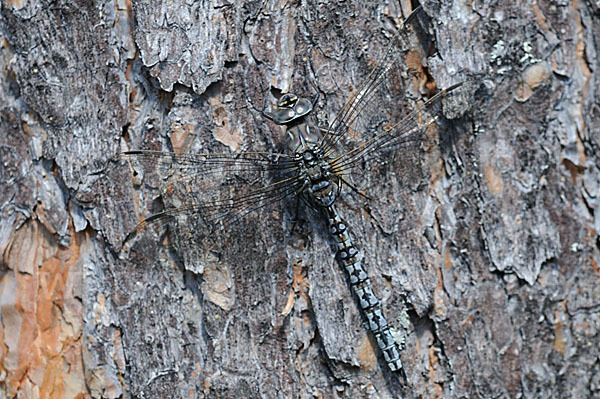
(492, 251)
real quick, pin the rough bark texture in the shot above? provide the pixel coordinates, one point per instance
(496, 258)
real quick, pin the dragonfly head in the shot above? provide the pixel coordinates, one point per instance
(290, 108)
(288, 100)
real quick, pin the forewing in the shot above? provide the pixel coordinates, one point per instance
(215, 189)
(410, 130)
(379, 100)
(385, 138)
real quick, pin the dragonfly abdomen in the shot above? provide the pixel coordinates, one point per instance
(361, 285)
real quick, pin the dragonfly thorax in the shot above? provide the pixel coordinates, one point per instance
(302, 137)
(321, 186)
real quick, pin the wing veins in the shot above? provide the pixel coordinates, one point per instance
(225, 205)
(381, 139)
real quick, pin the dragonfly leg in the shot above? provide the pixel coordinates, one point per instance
(355, 189)
(308, 69)
(413, 15)
(261, 111)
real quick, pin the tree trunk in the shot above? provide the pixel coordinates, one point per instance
(491, 249)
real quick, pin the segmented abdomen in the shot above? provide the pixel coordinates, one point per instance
(361, 285)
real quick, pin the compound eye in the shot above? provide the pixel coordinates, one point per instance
(303, 106)
(287, 101)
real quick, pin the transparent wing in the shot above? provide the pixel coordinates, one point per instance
(210, 163)
(216, 188)
(376, 101)
(408, 131)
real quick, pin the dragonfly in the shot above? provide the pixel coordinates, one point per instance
(315, 168)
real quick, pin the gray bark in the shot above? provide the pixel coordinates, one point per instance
(492, 249)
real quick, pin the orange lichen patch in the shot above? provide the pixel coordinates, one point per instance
(532, 77)
(559, 334)
(595, 266)
(436, 390)
(300, 286)
(535, 74)
(119, 355)
(207, 385)
(541, 19)
(581, 149)
(447, 259)
(584, 71)
(584, 68)
(180, 135)
(170, 189)
(559, 339)
(415, 66)
(436, 168)
(469, 320)
(439, 305)
(224, 132)
(371, 61)
(218, 286)
(16, 4)
(366, 353)
(301, 282)
(573, 169)
(289, 303)
(41, 315)
(493, 179)
(131, 88)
